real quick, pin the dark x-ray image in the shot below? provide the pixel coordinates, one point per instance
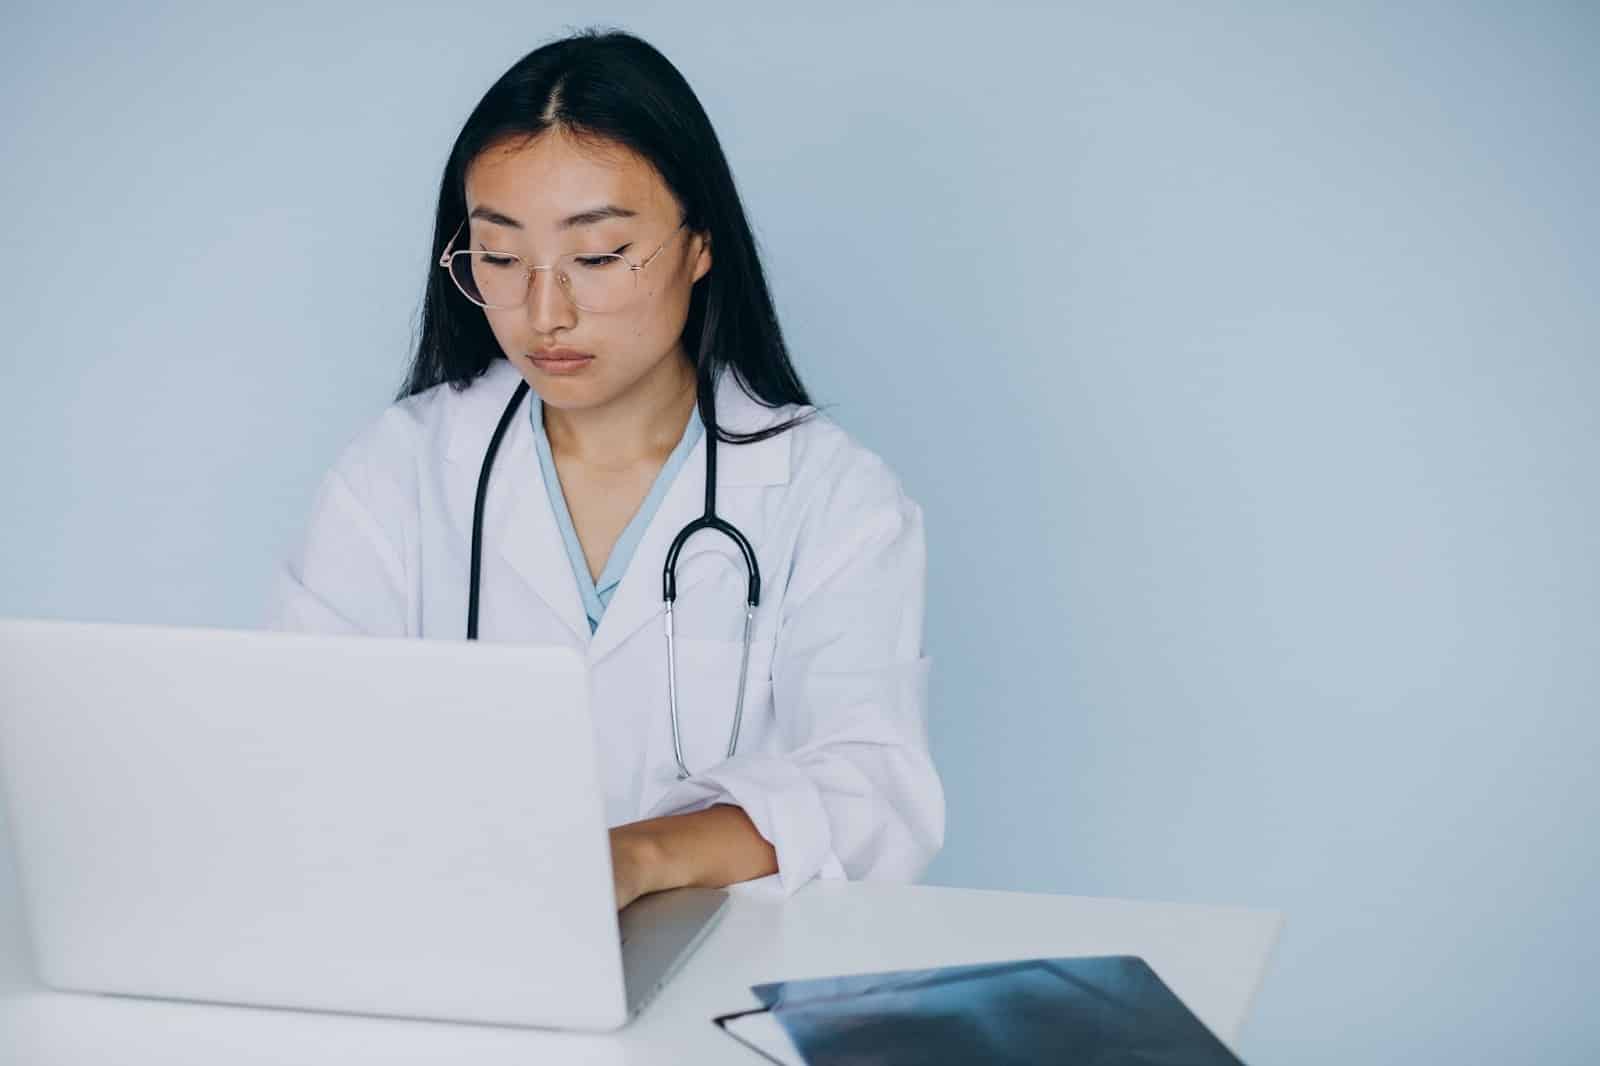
(1091, 1011)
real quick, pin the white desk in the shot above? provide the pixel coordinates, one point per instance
(1213, 957)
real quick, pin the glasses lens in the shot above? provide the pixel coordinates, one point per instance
(490, 278)
(597, 282)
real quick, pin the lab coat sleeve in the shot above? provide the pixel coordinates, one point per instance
(348, 573)
(855, 794)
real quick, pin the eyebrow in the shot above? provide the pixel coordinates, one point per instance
(582, 218)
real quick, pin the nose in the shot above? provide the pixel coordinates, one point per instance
(547, 306)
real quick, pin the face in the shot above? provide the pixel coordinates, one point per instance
(554, 195)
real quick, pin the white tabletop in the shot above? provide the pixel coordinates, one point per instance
(1212, 957)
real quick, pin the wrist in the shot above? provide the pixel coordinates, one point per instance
(652, 857)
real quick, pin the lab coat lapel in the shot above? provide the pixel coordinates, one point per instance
(519, 525)
(743, 471)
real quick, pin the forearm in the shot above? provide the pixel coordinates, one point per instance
(711, 848)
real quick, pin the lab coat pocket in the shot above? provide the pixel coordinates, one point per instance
(708, 679)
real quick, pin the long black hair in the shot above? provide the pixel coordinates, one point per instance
(614, 87)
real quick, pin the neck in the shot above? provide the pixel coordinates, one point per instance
(643, 424)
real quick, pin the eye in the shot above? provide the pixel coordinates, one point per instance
(491, 259)
(597, 262)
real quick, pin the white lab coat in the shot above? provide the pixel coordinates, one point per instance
(833, 766)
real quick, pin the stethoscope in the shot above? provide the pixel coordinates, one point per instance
(669, 572)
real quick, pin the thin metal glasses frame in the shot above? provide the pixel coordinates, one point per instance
(446, 258)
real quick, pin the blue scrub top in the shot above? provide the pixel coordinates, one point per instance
(597, 594)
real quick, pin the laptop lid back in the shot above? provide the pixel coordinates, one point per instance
(360, 824)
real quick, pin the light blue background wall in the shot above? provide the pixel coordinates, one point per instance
(1244, 362)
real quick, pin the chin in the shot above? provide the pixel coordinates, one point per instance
(568, 393)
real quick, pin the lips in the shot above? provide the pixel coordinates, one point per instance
(560, 359)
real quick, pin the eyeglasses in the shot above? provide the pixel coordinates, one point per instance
(604, 281)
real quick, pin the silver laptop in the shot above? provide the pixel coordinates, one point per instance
(371, 825)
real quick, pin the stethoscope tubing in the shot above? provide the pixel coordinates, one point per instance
(669, 572)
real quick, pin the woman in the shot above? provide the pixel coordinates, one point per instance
(591, 246)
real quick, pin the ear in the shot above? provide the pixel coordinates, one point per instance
(702, 258)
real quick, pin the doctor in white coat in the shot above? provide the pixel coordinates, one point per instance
(590, 243)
